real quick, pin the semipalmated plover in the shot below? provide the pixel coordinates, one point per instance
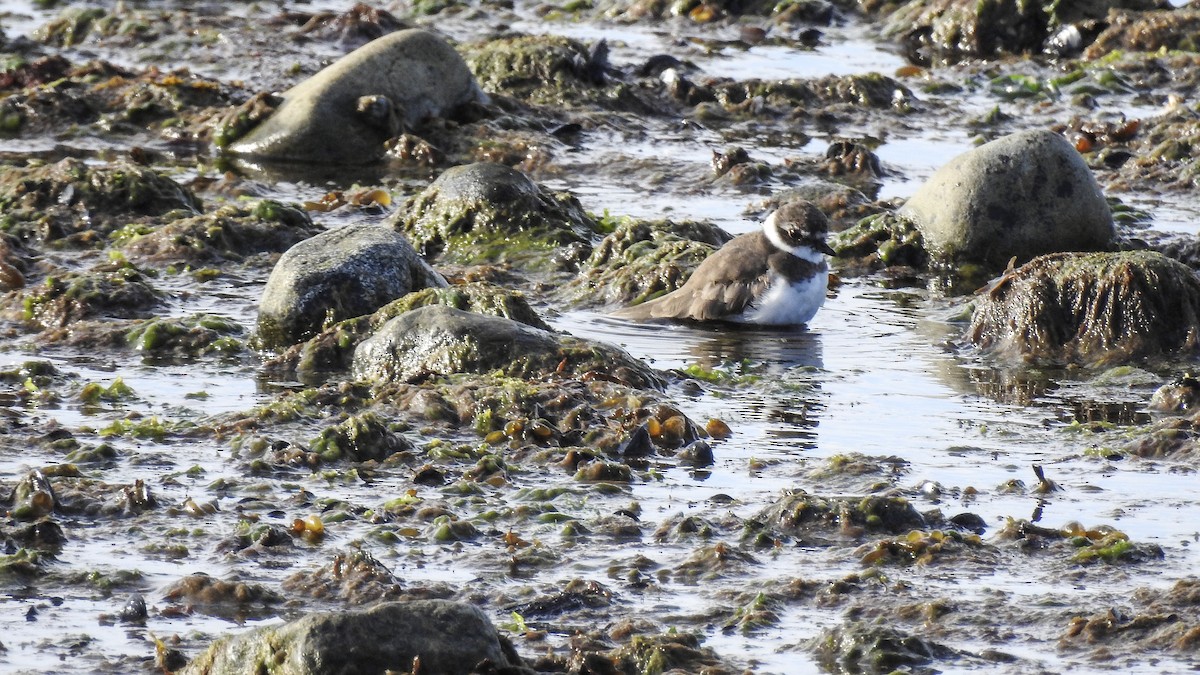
(776, 276)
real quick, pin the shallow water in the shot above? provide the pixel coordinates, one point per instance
(874, 374)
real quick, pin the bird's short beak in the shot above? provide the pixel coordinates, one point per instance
(825, 248)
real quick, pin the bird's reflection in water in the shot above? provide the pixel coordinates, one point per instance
(784, 371)
(761, 375)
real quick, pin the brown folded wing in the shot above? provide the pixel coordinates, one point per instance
(722, 286)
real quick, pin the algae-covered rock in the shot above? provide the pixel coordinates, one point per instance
(641, 260)
(70, 27)
(1022, 195)
(354, 577)
(333, 348)
(833, 92)
(1091, 308)
(434, 341)
(110, 291)
(191, 336)
(447, 638)
(344, 113)
(232, 232)
(487, 212)
(1170, 29)
(947, 31)
(804, 12)
(336, 275)
(815, 518)
(549, 70)
(1081, 545)
(477, 297)
(70, 199)
(874, 648)
(15, 259)
(358, 439)
(225, 598)
(50, 96)
(675, 652)
(354, 27)
(882, 240)
(1163, 151)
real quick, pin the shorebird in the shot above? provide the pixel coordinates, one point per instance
(776, 276)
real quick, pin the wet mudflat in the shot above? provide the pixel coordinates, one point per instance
(792, 551)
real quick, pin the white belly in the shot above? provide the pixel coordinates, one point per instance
(788, 304)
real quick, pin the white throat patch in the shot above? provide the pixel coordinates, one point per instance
(771, 229)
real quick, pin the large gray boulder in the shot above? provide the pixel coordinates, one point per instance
(344, 113)
(338, 274)
(1022, 195)
(436, 340)
(449, 638)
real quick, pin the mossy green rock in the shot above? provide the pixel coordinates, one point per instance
(337, 275)
(1090, 308)
(535, 68)
(435, 341)
(344, 113)
(448, 638)
(1022, 195)
(642, 260)
(488, 212)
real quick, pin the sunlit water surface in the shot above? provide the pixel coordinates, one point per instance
(872, 374)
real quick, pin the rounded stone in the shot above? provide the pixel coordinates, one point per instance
(436, 340)
(446, 637)
(1023, 195)
(338, 274)
(344, 113)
